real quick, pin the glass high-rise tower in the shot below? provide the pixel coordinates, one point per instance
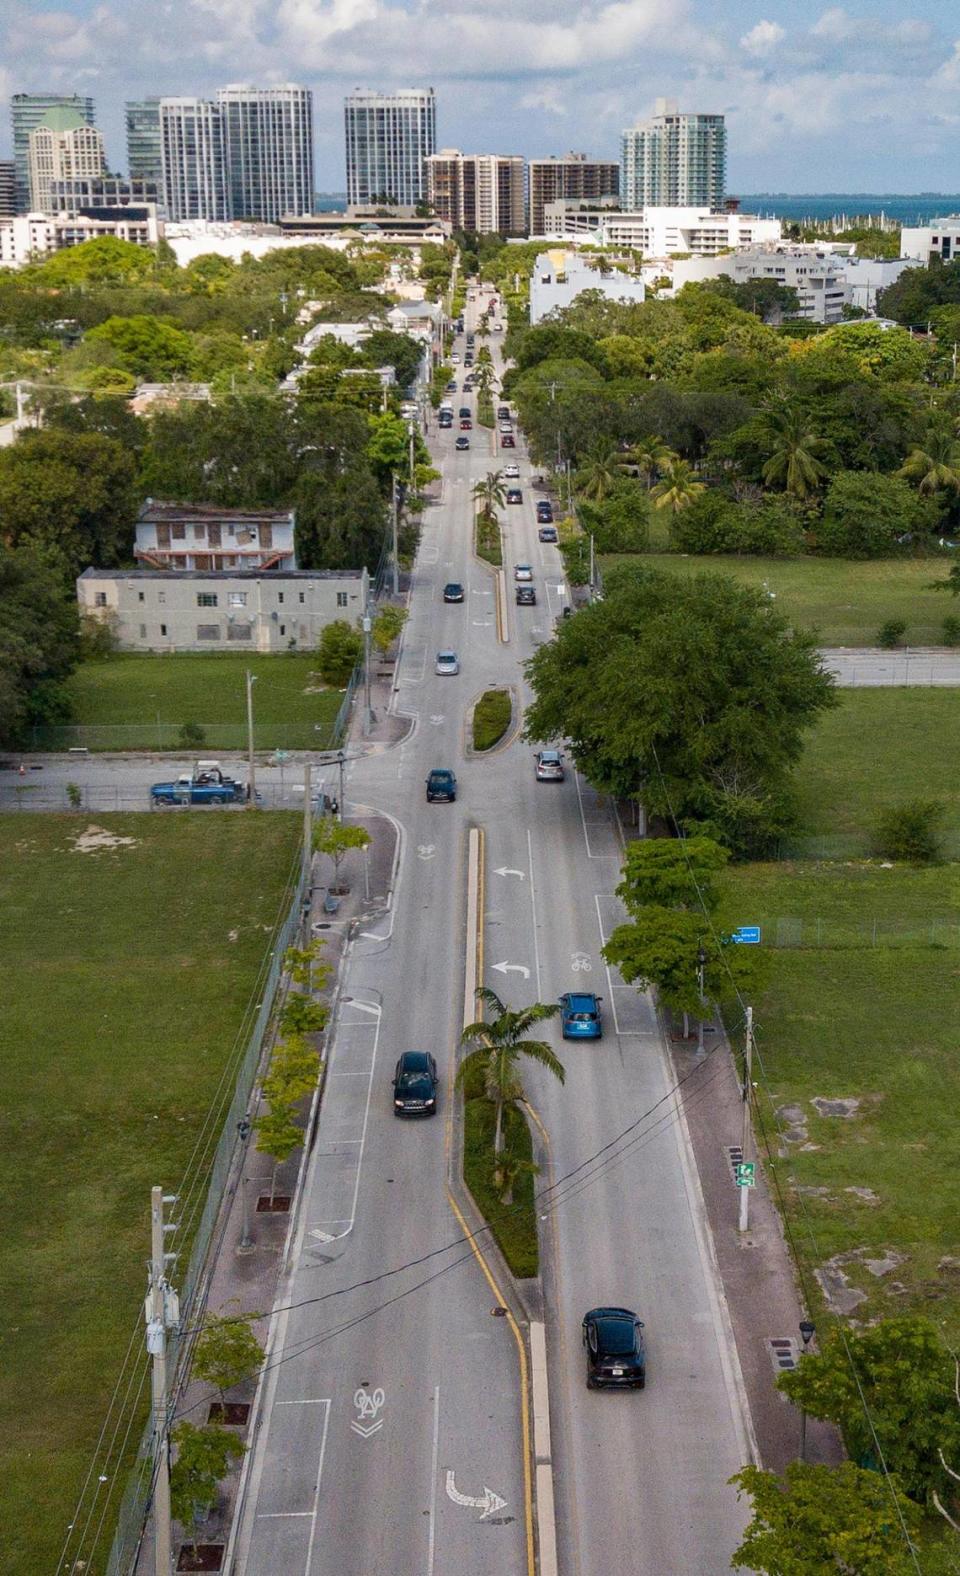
(389, 137)
(673, 160)
(144, 151)
(194, 165)
(268, 141)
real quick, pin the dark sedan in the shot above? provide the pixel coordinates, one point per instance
(415, 1085)
(613, 1339)
(453, 591)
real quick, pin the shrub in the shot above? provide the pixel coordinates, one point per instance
(714, 523)
(951, 630)
(491, 718)
(890, 635)
(621, 523)
(338, 651)
(191, 735)
(866, 514)
(910, 832)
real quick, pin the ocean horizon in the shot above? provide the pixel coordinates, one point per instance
(901, 207)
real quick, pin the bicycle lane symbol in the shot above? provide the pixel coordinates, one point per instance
(368, 1404)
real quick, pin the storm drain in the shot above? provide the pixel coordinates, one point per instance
(783, 1353)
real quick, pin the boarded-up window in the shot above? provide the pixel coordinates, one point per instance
(202, 561)
(179, 532)
(213, 535)
(208, 631)
(266, 536)
(239, 631)
(163, 536)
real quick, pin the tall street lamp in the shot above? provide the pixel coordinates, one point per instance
(701, 966)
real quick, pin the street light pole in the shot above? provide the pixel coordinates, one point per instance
(701, 965)
(340, 761)
(367, 713)
(394, 526)
(411, 429)
(246, 1241)
(252, 787)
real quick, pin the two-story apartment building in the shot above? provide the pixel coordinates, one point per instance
(195, 536)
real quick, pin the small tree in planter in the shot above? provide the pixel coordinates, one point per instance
(293, 1073)
(277, 1136)
(387, 626)
(203, 1458)
(334, 838)
(227, 1352)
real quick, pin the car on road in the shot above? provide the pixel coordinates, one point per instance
(507, 441)
(466, 425)
(462, 443)
(447, 664)
(522, 572)
(544, 510)
(505, 428)
(468, 385)
(514, 495)
(616, 1355)
(441, 786)
(451, 387)
(511, 471)
(465, 410)
(503, 413)
(453, 591)
(415, 1084)
(549, 766)
(526, 596)
(580, 1016)
(455, 359)
(548, 533)
(468, 359)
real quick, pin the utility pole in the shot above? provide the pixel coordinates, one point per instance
(701, 965)
(162, 1312)
(394, 525)
(745, 1129)
(411, 429)
(340, 760)
(306, 864)
(252, 787)
(592, 563)
(367, 711)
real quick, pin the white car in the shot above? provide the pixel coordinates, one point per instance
(506, 427)
(455, 359)
(511, 472)
(447, 664)
(522, 573)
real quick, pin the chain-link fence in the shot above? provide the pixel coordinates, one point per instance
(163, 737)
(850, 845)
(869, 930)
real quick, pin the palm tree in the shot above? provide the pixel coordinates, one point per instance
(498, 1048)
(650, 456)
(490, 494)
(678, 486)
(510, 1170)
(598, 474)
(934, 466)
(483, 378)
(795, 452)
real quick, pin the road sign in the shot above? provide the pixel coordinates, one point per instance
(748, 935)
(745, 1171)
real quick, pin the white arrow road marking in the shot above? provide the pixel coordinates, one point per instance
(489, 1502)
(321, 1236)
(437, 719)
(481, 623)
(511, 968)
(504, 870)
(426, 851)
(365, 1433)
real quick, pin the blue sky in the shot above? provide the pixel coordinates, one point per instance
(817, 97)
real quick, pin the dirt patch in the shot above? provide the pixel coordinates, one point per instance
(866, 1195)
(96, 839)
(842, 1108)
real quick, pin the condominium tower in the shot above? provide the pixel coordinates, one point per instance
(574, 177)
(144, 149)
(673, 160)
(194, 165)
(8, 188)
(268, 141)
(27, 111)
(478, 191)
(62, 148)
(389, 137)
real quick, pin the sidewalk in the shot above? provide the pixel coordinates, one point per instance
(756, 1270)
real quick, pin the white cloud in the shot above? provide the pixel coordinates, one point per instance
(763, 39)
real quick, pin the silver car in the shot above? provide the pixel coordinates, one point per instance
(549, 766)
(447, 664)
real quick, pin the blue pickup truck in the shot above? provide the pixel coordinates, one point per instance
(206, 784)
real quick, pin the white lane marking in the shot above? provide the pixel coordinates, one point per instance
(282, 1515)
(603, 939)
(533, 908)
(486, 1504)
(434, 1459)
(316, 1497)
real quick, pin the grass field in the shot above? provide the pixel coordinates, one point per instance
(878, 1025)
(846, 602)
(876, 749)
(126, 976)
(141, 701)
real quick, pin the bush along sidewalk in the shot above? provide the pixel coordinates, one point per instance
(295, 1064)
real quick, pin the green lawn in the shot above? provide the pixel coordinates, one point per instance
(878, 1024)
(846, 602)
(140, 701)
(126, 976)
(879, 747)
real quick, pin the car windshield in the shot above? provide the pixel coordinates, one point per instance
(414, 1083)
(616, 1337)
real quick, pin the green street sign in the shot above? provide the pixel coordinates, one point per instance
(746, 1173)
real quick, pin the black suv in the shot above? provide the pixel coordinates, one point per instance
(415, 1085)
(613, 1338)
(441, 785)
(526, 596)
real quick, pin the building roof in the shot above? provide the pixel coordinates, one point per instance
(159, 509)
(61, 118)
(177, 575)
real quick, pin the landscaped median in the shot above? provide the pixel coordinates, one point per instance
(488, 541)
(491, 718)
(510, 1210)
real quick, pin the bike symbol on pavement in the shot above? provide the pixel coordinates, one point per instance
(580, 963)
(368, 1404)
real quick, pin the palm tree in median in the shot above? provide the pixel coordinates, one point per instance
(490, 494)
(483, 378)
(796, 451)
(498, 1046)
(677, 487)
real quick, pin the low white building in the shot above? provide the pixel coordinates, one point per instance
(937, 241)
(867, 276)
(561, 274)
(659, 232)
(194, 238)
(29, 237)
(818, 277)
(193, 610)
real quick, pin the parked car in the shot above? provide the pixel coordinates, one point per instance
(510, 471)
(522, 572)
(453, 591)
(549, 767)
(441, 785)
(468, 359)
(616, 1356)
(507, 442)
(468, 385)
(462, 443)
(415, 1084)
(514, 495)
(526, 596)
(580, 1016)
(447, 664)
(548, 533)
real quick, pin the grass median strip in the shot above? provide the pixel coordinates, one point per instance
(489, 545)
(491, 718)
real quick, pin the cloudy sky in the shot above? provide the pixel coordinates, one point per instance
(816, 99)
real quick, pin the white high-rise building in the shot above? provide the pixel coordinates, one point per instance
(194, 163)
(673, 160)
(62, 148)
(389, 137)
(268, 146)
(483, 192)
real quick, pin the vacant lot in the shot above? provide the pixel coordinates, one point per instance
(845, 602)
(878, 1025)
(138, 701)
(876, 749)
(127, 972)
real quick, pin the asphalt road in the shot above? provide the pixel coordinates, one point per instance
(385, 1391)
